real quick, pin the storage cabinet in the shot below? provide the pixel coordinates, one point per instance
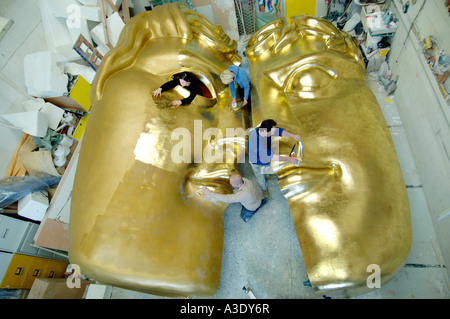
(21, 262)
(17, 236)
(22, 270)
(12, 232)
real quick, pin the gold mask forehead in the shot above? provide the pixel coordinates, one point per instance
(312, 34)
(172, 21)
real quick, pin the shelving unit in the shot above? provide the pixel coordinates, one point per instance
(416, 38)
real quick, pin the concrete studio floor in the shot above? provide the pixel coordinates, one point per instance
(265, 253)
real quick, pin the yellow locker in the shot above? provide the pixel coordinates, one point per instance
(17, 272)
(36, 270)
(23, 270)
(55, 269)
(296, 7)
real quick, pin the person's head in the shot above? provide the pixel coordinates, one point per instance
(185, 79)
(236, 180)
(267, 127)
(227, 77)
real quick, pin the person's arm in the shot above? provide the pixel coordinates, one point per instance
(229, 198)
(226, 198)
(246, 90)
(166, 86)
(233, 68)
(246, 84)
(288, 134)
(193, 91)
(232, 90)
(170, 85)
(282, 132)
(188, 100)
(289, 159)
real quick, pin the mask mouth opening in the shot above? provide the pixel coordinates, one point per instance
(207, 98)
(205, 91)
(204, 82)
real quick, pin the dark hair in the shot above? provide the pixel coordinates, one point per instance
(186, 76)
(268, 124)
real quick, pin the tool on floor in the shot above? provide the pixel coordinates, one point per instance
(248, 291)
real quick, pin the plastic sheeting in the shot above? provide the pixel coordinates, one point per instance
(13, 188)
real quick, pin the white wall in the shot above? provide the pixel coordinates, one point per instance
(25, 36)
(424, 112)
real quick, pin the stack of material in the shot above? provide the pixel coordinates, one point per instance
(99, 22)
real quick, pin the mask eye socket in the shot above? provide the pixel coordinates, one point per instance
(309, 81)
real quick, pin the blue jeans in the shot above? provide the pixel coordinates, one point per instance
(260, 173)
(247, 214)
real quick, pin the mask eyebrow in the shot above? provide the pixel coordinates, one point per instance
(271, 37)
(285, 75)
(312, 26)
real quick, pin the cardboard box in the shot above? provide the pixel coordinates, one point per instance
(78, 99)
(56, 288)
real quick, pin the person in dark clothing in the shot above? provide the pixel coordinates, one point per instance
(187, 81)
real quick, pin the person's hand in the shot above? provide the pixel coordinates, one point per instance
(206, 191)
(157, 92)
(176, 103)
(297, 137)
(245, 103)
(233, 103)
(295, 161)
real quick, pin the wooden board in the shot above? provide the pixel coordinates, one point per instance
(53, 234)
(56, 288)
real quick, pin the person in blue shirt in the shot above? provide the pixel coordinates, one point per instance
(237, 75)
(260, 153)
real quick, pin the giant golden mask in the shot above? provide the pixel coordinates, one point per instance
(138, 220)
(347, 198)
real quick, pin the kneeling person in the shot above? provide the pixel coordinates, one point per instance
(187, 81)
(245, 193)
